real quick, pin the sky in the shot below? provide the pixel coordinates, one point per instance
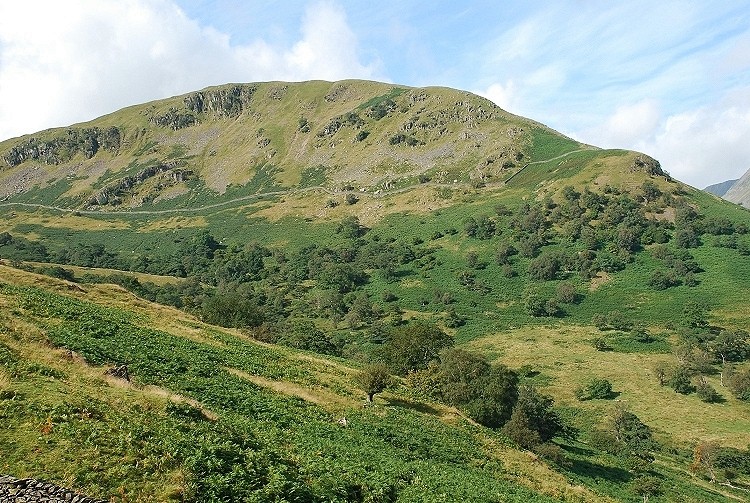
(671, 79)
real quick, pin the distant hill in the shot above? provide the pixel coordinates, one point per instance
(739, 192)
(719, 189)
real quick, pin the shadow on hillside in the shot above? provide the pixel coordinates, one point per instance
(407, 404)
(596, 471)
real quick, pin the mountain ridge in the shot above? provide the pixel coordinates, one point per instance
(739, 192)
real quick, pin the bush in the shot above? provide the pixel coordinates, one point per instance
(519, 430)
(680, 381)
(413, 346)
(739, 383)
(706, 392)
(595, 388)
(487, 393)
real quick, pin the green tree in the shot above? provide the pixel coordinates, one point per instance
(635, 437)
(739, 383)
(730, 346)
(373, 379)
(303, 334)
(413, 346)
(520, 431)
(646, 486)
(680, 380)
(541, 417)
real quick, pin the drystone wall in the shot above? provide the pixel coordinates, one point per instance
(13, 490)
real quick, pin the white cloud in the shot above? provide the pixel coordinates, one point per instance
(701, 146)
(706, 145)
(63, 62)
(502, 95)
(628, 125)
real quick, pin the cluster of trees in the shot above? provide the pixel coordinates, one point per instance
(490, 394)
(705, 350)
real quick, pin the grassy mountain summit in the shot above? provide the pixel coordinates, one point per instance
(245, 139)
(503, 286)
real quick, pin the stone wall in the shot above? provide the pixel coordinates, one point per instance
(13, 490)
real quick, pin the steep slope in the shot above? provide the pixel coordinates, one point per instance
(243, 139)
(719, 189)
(739, 192)
(185, 426)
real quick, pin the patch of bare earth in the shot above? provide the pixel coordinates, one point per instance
(317, 396)
(600, 279)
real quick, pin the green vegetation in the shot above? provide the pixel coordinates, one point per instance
(345, 233)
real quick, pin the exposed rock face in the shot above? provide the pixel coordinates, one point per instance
(740, 192)
(719, 189)
(13, 490)
(648, 165)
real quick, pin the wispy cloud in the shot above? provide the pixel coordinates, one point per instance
(631, 75)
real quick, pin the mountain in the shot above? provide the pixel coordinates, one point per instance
(739, 192)
(538, 319)
(719, 189)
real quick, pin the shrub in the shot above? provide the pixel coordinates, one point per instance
(706, 392)
(595, 388)
(680, 381)
(739, 383)
(361, 135)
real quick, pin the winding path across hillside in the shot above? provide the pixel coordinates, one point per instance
(261, 195)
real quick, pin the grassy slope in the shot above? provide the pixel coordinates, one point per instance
(125, 438)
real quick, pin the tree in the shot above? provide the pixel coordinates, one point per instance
(566, 293)
(538, 410)
(704, 458)
(519, 430)
(650, 191)
(303, 334)
(646, 486)
(739, 383)
(661, 370)
(350, 228)
(635, 437)
(706, 392)
(545, 267)
(413, 346)
(695, 315)
(680, 380)
(730, 346)
(373, 379)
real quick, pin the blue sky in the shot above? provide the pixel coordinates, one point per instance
(671, 79)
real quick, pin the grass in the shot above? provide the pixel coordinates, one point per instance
(79, 413)
(564, 352)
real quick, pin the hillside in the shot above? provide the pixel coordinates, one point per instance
(739, 192)
(719, 189)
(549, 320)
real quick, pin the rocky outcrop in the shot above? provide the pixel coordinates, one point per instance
(13, 490)
(112, 193)
(62, 148)
(648, 165)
